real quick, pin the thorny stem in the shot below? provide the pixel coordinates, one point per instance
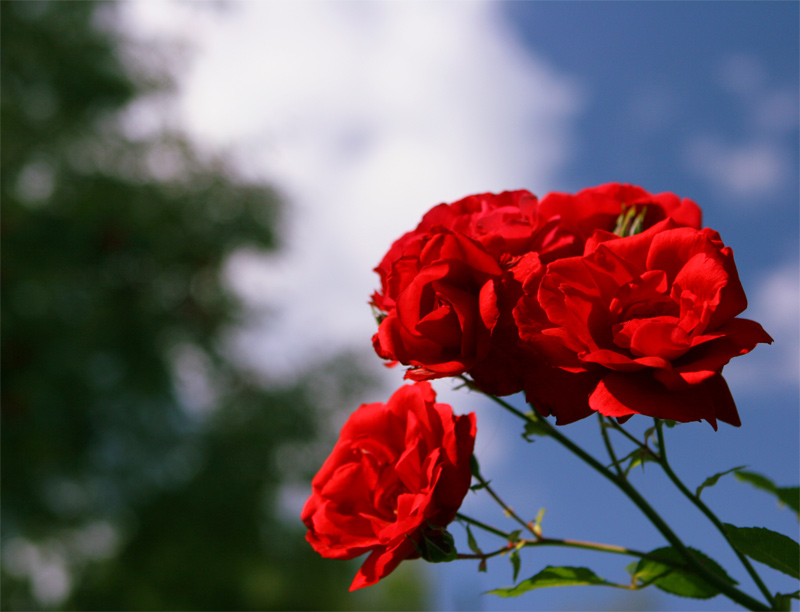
(695, 566)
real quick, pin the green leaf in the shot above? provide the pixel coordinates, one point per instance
(515, 563)
(640, 456)
(437, 545)
(675, 581)
(473, 545)
(712, 480)
(513, 537)
(783, 601)
(537, 522)
(789, 496)
(759, 481)
(535, 427)
(778, 551)
(474, 467)
(553, 577)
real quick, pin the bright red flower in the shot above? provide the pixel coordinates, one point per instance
(398, 472)
(446, 308)
(637, 325)
(448, 288)
(599, 207)
(505, 223)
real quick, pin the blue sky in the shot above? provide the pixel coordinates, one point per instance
(366, 114)
(666, 83)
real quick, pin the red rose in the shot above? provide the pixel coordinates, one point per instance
(448, 289)
(501, 223)
(445, 310)
(399, 471)
(598, 208)
(638, 325)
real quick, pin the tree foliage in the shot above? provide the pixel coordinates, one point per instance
(141, 467)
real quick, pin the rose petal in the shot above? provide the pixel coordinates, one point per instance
(619, 395)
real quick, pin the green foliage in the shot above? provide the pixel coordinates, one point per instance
(515, 563)
(778, 551)
(637, 457)
(555, 576)
(535, 426)
(114, 305)
(712, 480)
(783, 601)
(789, 496)
(674, 581)
(472, 543)
(437, 545)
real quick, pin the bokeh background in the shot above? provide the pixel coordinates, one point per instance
(193, 197)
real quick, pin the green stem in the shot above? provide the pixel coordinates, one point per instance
(662, 460)
(623, 431)
(609, 447)
(484, 526)
(483, 556)
(609, 548)
(724, 587)
(509, 511)
(543, 541)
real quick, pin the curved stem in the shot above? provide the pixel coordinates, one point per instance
(609, 548)
(609, 447)
(661, 457)
(484, 526)
(724, 587)
(508, 510)
(543, 541)
(483, 556)
(625, 433)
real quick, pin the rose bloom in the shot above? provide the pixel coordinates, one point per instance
(599, 207)
(505, 223)
(448, 288)
(447, 292)
(399, 471)
(637, 325)
(444, 316)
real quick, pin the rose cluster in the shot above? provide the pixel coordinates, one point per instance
(611, 300)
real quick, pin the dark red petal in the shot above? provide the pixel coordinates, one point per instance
(382, 562)
(562, 394)
(623, 394)
(740, 336)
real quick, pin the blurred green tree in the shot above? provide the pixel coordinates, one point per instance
(141, 467)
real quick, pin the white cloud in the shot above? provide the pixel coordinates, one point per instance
(761, 163)
(742, 74)
(365, 115)
(753, 169)
(778, 110)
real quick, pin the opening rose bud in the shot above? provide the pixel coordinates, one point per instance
(395, 478)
